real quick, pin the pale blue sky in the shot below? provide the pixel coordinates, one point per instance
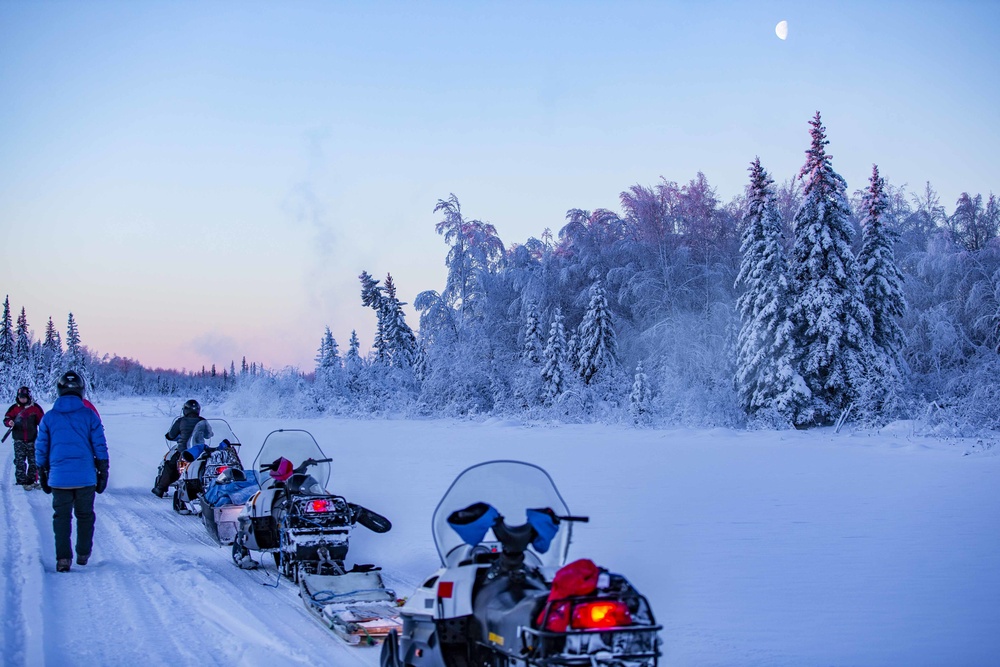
(199, 181)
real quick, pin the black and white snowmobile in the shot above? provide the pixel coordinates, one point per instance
(213, 448)
(504, 596)
(307, 530)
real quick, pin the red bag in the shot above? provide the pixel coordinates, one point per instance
(576, 578)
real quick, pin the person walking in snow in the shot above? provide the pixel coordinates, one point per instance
(22, 419)
(179, 433)
(72, 456)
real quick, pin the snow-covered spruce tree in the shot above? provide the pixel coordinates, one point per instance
(598, 346)
(23, 362)
(395, 345)
(329, 351)
(640, 399)
(882, 289)
(52, 353)
(525, 378)
(53, 341)
(767, 379)
(373, 296)
(554, 366)
(531, 349)
(832, 328)
(573, 351)
(421, 366)
(7, 351)
(328, 389)
(327, 359)
(399, 336)
(74, 357)
(354, 365)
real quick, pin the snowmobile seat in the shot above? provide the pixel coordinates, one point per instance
(233, 493)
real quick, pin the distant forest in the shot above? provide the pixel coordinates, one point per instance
(794, 304)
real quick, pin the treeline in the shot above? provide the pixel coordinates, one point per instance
(792, 304)
(37, 363)
(789, 305)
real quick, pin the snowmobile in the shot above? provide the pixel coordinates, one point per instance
(307, 530)
(202, 462)
(504, 596)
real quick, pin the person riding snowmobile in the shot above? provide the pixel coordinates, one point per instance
(180, 433)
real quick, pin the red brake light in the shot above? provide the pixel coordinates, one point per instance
(320, 505)
(221, 469)
(600, 614)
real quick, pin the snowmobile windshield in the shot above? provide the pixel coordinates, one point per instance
(212, 432)
(512, 488)
(295, 445)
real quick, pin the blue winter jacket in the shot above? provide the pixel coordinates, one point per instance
(70, 437)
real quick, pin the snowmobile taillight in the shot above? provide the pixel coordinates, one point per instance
(321, 505)
(221, 469)
(600, 614)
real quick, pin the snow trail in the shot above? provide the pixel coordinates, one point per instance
(159, 591)
(754, 548)
(21, 587)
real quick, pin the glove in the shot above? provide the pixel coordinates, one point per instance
(102, 474)
(43, 479)
(8, 422)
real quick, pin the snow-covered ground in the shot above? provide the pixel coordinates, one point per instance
(760, 548)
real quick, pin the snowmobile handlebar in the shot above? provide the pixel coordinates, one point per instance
(311, 462)
(264, 467)
(517, 538)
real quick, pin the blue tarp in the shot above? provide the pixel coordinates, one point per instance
(234, 493)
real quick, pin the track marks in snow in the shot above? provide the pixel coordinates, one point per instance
(159, 591)
(20, 588)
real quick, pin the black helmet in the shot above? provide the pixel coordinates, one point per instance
(72, 383)
(191, 408)
(24, 392)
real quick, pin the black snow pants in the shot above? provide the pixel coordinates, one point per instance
(24, 462)
(66, 503)
(167, 474)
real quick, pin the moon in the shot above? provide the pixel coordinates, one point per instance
(781, 30)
